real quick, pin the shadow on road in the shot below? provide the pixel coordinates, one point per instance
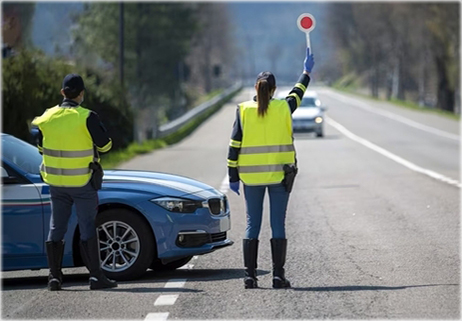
(78, 279)
(366, 288)
(199, 275)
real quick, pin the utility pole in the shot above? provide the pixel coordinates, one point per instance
(121, 43)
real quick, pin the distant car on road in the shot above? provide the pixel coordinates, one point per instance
(309, 116)
(145, 219)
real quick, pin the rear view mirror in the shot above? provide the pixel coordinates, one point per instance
(323, 108)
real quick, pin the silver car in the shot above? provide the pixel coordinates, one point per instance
(309, 116)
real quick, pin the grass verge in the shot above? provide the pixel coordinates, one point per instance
(113, 159)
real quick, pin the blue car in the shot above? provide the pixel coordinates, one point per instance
(145, 219)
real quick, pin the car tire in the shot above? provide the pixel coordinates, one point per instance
(157, 264)
(320, 134)
(132, 258)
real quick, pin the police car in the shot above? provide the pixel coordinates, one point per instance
(145, 219)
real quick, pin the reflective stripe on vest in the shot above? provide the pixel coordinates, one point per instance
(65, 171)
(67, 153)
(267, 149)
(267, 143)
(67, 146)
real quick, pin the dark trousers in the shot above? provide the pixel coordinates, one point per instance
(85, 199)
(279, 199)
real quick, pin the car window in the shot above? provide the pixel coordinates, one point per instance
(310, 102)
(22, 154)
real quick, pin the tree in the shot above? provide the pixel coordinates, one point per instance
(407, 48)
(444, 27)
(157, 37)
(17, 23)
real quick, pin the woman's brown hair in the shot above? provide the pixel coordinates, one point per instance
(265, 84)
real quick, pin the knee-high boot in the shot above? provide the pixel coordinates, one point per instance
(90, 255)
(250, 249)
(55, 251)
(278, 253)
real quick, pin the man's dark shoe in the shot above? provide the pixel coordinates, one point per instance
(90, 256)
(55, 251)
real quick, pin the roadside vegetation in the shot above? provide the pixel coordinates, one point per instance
(401, 103)
(408, 53)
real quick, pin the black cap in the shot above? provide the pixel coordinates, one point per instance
(73, 83)
(269, 77)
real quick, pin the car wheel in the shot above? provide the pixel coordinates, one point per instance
(126, 244)
(320, 134)
(158, 266)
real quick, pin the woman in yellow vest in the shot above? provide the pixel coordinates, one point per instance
(261, 144)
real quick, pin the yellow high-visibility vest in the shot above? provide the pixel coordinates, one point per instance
(67, 146)
(267, 143)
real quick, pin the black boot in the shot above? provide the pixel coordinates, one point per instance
(55, 251)
(250, 247)
(278, 252)
(90, 255)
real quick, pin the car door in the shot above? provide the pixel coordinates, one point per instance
(22, 215)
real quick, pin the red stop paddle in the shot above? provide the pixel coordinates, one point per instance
(306, 23)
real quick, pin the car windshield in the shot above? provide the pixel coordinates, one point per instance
(22, 154)
(310, 102)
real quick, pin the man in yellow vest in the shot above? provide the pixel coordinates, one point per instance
(69, 137)
(260, 150)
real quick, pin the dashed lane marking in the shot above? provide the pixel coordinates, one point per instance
(157, 316)
(392, 156)
(175, 283)
(167, 299)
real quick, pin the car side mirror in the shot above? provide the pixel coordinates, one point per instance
(323, 108)
(6, 179)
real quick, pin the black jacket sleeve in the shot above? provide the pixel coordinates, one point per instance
(37, 138)
(98, 133)
(296, 94)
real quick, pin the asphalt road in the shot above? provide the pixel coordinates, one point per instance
(373, 227)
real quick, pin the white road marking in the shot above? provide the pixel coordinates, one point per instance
(404, 120)
(175, 283)
(195, 257)
(224, 187)
(186, 267)
(167, 299)
(157, 316)
(392, 156)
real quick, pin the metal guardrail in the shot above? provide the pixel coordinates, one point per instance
(177, 123)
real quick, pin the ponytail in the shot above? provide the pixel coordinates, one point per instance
(263, 96)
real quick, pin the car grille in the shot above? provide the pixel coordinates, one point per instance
(199, 239)
(218, 237)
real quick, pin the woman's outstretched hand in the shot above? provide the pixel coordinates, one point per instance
(309, 61)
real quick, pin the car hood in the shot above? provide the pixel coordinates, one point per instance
(157, 183)
(310, 112)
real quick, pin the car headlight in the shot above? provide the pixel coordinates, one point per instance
(318, 120)
(177, 205)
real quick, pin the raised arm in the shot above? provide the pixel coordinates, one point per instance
(296, 94)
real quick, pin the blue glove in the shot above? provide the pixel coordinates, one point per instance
(309, 61)
(234, 186)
